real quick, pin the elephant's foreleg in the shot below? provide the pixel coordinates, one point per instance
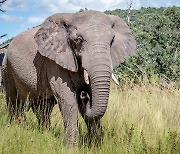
(69, 114)
(43, 109)
(67, 102)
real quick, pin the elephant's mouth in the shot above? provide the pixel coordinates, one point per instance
(85, 95)
(86, 78)
(85, 98)
(93, 95)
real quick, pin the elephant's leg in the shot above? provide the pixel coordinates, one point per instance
(10, 94)
(43, 109)
(14, 104)
(67, 102)
(70, 117)
(94, 126)
(16, 109)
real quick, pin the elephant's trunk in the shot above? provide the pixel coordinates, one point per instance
(99, 74)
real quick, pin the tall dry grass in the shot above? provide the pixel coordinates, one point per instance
(140, 119)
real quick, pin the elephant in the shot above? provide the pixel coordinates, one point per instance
(1, 60)
(68, 60)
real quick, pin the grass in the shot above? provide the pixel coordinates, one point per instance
(143, 119)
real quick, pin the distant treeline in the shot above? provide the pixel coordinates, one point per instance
(157, 32)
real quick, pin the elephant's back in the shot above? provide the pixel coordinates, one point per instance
(20, 56)
(23, 43)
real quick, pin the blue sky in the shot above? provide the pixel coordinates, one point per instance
(23, 14)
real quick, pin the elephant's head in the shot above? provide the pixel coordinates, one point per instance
(90, 41)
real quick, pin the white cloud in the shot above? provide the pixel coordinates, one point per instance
(54, 6)
(110, 2)
(35, 20)
(10, 5)
(7, 18)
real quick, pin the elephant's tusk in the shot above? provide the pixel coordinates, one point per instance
(86, 77)
(115, 79)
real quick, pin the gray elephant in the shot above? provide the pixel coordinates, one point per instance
(68, 60)
(1, 59)
(2, 52)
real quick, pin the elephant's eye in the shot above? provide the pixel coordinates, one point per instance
(78, 43)
(79, 40)
(112, 40)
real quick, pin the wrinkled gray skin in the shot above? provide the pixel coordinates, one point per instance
(1, 60)
(46, 65)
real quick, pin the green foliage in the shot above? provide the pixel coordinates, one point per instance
(158, 49)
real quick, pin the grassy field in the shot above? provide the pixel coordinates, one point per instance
(145, 119)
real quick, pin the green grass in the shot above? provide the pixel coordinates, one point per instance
(145, 119)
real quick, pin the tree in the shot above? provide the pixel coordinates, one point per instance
(129, 4)
(81, 10)
(1, 3)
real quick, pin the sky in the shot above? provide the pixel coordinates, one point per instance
(23, 14)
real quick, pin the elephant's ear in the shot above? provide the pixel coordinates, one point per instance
(52, 40)
(124, 44)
